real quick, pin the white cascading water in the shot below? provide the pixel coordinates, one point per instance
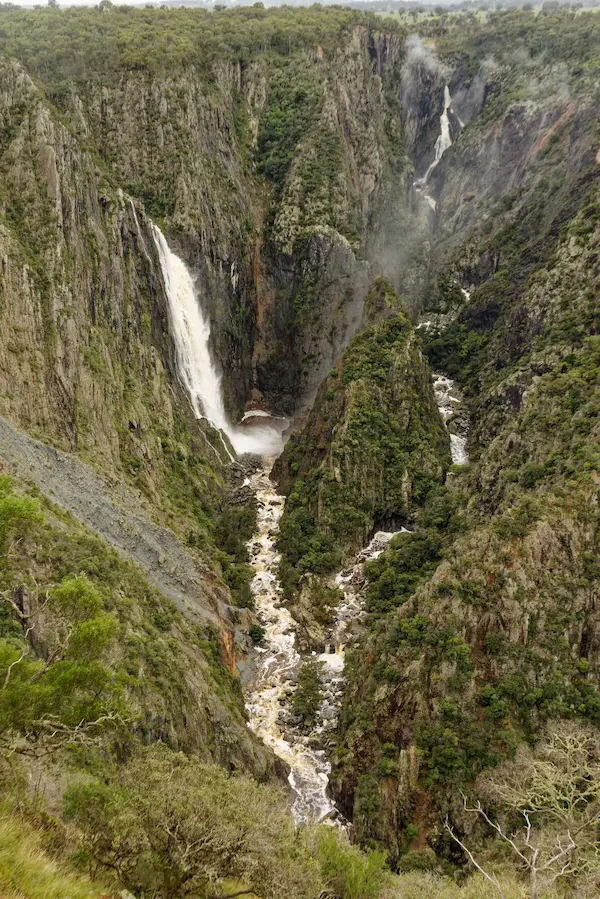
(197, 370)
(278, 664)
(448, 404)
(443, 142)
(278, 661)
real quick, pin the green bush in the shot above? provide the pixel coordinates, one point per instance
(308, 694)
(172, 826)
(348, 872)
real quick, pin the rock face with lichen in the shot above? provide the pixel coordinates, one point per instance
(86, 364)
(86, 360)
(282, 263)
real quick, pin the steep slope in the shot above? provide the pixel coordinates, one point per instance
(373, 446)
(115, 515)
(87, 364)
(276, 148)
(268, 160)
(164, 677)
(482, 624)
(504, 634)
(86, 360)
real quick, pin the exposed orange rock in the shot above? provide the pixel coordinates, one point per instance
(541, 144)
(227, 641)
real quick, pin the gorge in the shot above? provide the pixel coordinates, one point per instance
(299, 452)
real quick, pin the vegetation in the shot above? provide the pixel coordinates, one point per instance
(174, 827)
(483, 603)
(554, 788)
(61, 46)
(478, 671)
(233, 529)
(372, 450)
(308, 694)
(85, 639)
(28, 870)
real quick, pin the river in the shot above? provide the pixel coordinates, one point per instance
(277, 660)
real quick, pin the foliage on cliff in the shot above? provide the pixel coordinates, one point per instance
(86, 639)
(271, 143)
(484, 621)
(85, 361)
(64, 45)
(373, 448)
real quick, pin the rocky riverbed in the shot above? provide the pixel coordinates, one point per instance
(278, 661)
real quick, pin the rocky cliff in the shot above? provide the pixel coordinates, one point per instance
(87, 364)
(268, 172)
(483, 622)
(372, 448)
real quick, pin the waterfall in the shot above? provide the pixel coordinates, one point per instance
(196, 367)
(454, 415)
(441, 145)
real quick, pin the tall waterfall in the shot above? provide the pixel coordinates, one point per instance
(196, 367)
(443, 141)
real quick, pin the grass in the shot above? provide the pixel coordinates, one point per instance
(28, 872)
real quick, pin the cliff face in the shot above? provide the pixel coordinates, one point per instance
(483, 621)
(283, 262)
(86, 358)
(317, 249)
(504, 633)
(372, 449)
(280, 165)
(87, 364)
(177, 147)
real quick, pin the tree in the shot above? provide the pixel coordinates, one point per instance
(307, 698)
(64, 691)
(18, 514)
(174, 827)
(555, 791)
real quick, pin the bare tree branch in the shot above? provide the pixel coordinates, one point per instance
(9, 670)
(489, 877)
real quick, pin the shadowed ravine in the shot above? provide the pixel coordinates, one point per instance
(277, 661)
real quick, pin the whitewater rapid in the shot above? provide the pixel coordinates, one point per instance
(450, 404)
(278, 661)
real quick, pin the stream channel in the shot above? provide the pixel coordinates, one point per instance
(278, 660)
